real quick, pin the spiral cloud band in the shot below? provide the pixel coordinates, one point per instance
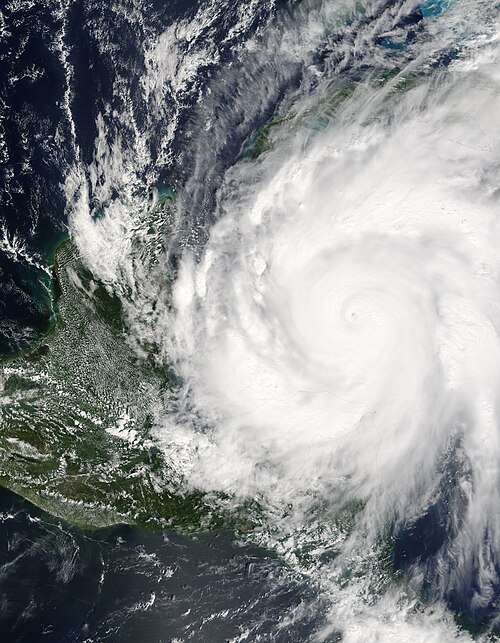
(332, 315)
(341, 332)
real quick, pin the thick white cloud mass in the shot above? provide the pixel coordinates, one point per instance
(343, 322)
(342, 327)
(338, 335)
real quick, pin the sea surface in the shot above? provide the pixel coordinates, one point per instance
(60, 584)
(250, 320)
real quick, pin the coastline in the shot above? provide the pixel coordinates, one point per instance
(55, 291)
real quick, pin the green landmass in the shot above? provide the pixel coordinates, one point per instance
(76, 413)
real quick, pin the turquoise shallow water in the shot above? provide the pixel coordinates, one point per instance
(434, 7)
(195, 355)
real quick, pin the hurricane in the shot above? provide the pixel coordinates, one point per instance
(293, 206)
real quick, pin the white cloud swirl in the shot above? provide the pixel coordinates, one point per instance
(343, 324)
(339, 335)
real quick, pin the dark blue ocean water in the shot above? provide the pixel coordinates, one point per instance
(58, 71)
(60, 584)
(424, 544)
(60, 66)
